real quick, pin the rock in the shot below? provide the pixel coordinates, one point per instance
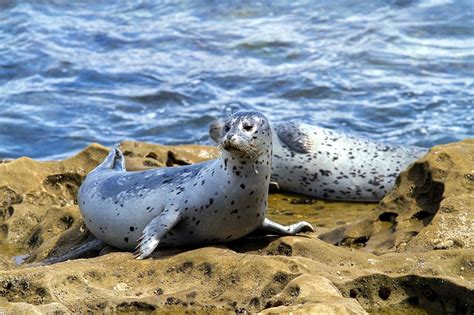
(440, 244)
(382, 263)
(432, 200)
(309, 294)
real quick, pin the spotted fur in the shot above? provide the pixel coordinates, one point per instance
(327, 164)
(212, 202)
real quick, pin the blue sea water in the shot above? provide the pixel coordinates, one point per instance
(76, 72)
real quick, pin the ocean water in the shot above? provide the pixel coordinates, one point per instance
(103, 71)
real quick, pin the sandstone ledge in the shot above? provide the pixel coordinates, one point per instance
(413, 251)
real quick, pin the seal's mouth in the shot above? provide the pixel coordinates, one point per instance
(247, 149)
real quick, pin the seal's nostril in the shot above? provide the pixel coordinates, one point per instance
(230, 137)
(226, 142)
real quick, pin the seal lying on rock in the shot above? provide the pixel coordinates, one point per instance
(327, 164)
(212, 202)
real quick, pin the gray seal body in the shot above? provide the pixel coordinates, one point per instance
(212, 202)
(327, 164)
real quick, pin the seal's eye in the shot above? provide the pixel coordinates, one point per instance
(248, 127)
(227, 128)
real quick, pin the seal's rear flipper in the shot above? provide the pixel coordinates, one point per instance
(119, 163)
(114, 160)
(270, 227)
(154, 231)
(92, 246)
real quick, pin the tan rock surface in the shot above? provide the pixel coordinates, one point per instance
(425, 262)
(431, 207)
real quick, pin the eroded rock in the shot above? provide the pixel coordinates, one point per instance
(431, 207)
(413, 252)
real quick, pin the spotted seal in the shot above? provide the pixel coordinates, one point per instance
(212, 202)
(327, 164)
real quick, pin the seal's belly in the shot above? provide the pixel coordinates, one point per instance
(212, 227)
(222, 218)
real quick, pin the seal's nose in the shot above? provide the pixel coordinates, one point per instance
(229, 140)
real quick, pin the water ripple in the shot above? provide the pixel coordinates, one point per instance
(72, 73)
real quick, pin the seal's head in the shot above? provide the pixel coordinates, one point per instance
(216, 130)
(246, 133)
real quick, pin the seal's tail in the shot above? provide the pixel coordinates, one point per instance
(114, 160)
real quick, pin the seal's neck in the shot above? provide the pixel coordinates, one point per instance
(240, 165)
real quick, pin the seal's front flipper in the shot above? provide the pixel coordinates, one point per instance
(294, 137)
(273, 187)
(270, 227)
(114, 160)
(154, 231)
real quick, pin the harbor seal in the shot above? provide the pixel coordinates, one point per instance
(326, 164)
(212, 202)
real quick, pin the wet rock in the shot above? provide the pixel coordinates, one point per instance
(411, 252)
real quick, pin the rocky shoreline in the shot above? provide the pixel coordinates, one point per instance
(412, 252)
